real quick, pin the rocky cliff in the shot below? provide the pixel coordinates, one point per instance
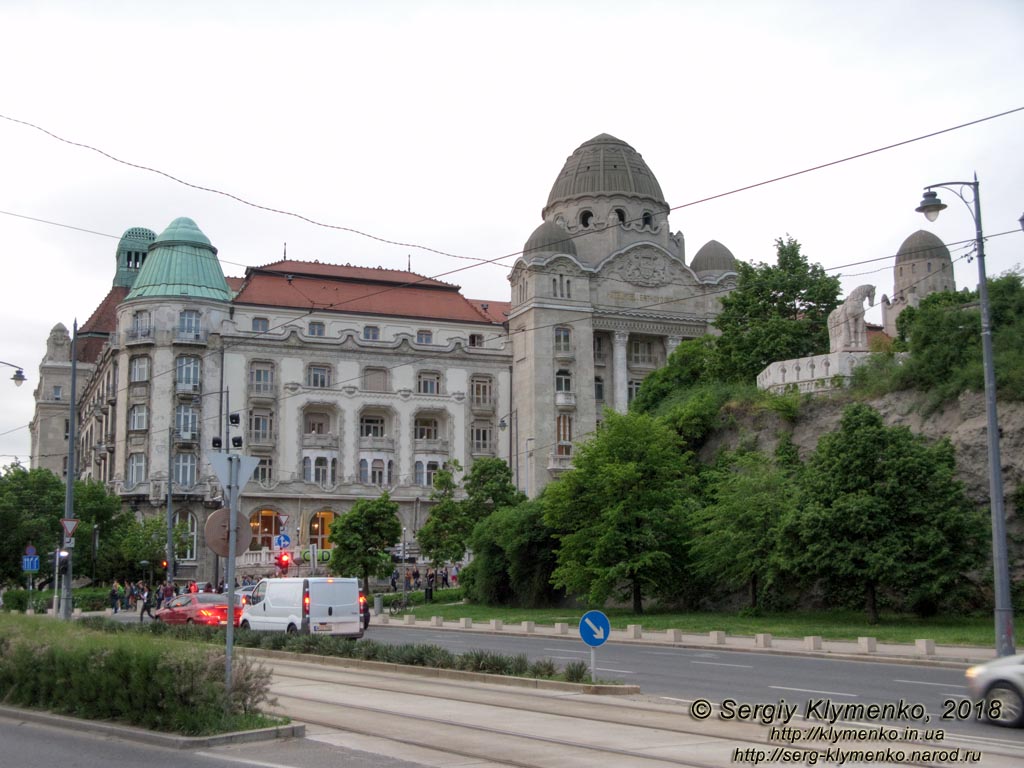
(963, 422)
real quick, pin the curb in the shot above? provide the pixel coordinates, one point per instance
(155, 738)
(949, 662)
(447, 674)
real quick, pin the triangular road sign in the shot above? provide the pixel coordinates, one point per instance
(70, 526)
(283, 519)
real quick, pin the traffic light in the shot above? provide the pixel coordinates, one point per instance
(163, 564)
(283, 560)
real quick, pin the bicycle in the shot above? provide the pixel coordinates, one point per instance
(396, 607)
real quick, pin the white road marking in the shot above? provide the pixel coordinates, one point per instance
(564, 650)
(921, 682)
(723, 664)
(620, 671)
(809, 690)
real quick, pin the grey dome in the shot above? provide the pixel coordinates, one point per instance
(605, 165)
(713, 257)
(551, 238)
(922, 245)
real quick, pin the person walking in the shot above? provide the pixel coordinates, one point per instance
(146, 601)
(115, 597)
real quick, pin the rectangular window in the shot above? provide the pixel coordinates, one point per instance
(187, 373)
(138, 418)
(318, 423)
(482, 437)
(186, 420)
(371, 426)
(138, 369)
(563, 340)
(476, 339)
(599, 388)
(563, 381)
(265, 471)
(425, 429)
(371, 333)
(261, 377)
(261, 426)
(377, 472)
(185, 470)
(316, 329)
(424, 337)
(260, 325)
(188, 323)
(140, 326)
(318, 376)
(136, 469)
(642, 352)
(58, 392)
(563, 433)
(481, 390)
(320, 470)
(633, 387)
(375, 379)
(428, 383)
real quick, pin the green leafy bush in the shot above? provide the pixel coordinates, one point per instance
(576, 672)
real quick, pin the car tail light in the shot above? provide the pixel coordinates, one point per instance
(305, 602)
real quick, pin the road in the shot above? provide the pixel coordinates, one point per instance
(681, 674)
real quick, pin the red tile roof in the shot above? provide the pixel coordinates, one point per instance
(495, 311)
(93, 333)
(344, 288)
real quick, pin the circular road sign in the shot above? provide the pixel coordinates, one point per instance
(217, 532)
(282, 541)
(595, 628)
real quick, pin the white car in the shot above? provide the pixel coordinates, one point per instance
(1000, 684)
(312, 606)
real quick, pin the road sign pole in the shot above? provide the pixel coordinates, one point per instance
(593, 665)
(233, 461)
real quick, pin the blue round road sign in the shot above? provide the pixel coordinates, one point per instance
(595, 628)
(282, 540)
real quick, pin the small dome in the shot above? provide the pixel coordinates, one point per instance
(605, 165)
(551, 238)
(922, 245)
(136, 239)
(713, 257)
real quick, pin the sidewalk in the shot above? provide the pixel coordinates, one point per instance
(863, 649)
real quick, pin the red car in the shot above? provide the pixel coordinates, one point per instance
(207, 608)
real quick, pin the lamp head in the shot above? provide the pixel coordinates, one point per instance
(1021, 220)
(930, 205)
(502, 425)
(18, 378)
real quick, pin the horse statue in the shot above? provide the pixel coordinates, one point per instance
(847, 331)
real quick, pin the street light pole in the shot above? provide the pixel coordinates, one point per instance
(931, 206)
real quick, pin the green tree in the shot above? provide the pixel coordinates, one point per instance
(362, 538)
(619, 514)
(443, 537)
(882, 513)
(693, 362)
(735, 534)
(776, 312)
(138, 541)
(488, 485)
(31, 507)
(514, 557)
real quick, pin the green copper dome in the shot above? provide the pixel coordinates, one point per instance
(181, 262)
(131, 254)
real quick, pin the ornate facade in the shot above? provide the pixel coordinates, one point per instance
(345, 381)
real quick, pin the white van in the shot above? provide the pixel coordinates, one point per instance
(315, 605)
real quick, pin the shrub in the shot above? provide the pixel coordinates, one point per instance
(543, 668)
(577, 672)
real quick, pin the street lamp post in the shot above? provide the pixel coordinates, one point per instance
(931, 206)
(514, 432)
(19, 373)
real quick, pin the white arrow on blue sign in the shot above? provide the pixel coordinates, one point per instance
(30, 563)
(282, 541)
(595, 628)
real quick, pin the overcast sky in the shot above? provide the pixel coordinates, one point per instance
(445, 124)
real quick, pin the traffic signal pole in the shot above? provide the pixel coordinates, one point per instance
(232, 490)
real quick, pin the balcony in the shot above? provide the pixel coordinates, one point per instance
(186, 437)
(565, 399)
(111, 395)
(261, 438)
(430, 446)
(187, 388)
(190, 336)
(262, 390)
(559, 462)
(482, 404)
(138, 390)
(139, 336)
(484, 448)
(386, 444)
(566, 353)
(317, 440)
(646, 362)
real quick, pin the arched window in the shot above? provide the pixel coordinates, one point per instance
(586, 217)
(647, 219)
(265, 526)
(320, 529)
(364, 471)
(620, 215)
(418, 476)
(377, 472)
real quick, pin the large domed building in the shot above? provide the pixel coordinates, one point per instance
(600, 297)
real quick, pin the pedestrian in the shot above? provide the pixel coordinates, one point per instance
(444, 578)
(146, 601)
(394, 580)
(431, 578)
(416, 576)
(455, 575)
(168, 592)
(115, 598)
